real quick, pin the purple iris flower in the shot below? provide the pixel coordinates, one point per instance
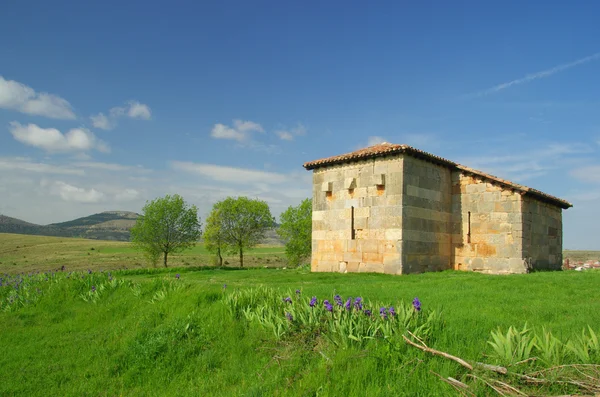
(367, 313)
(338, 300)
(93, 288)
(89, 271)
(289, 316)
(177, 276)
(383, 313)
(328, 305)
(358, 303)
(224, 286)
(348, 304)
(417, 304)
(297, 292)
(392, 311)
(288, 299)
(313, 301)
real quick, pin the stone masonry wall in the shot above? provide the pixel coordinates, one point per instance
(426, 217)
(542, 234)
(495, 243)
(357, 217)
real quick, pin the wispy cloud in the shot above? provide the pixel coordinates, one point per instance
(527, 164)
(229, 174)
(239, 132)
(289, 134)
(23, 164)
(69, 192)
(534, 76)
(132, 109)
(24, 99)
(375, 140)
(111, 167)
(587, 174)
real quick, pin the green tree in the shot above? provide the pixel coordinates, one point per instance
(242, 222)
(167, 225)
(296, 230)
(213, 236)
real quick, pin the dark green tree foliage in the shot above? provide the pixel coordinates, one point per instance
(296, 231)
(242, 222)
(167, 225)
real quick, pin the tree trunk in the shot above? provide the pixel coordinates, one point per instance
(165, 259)
(220, 257)
(241, 257)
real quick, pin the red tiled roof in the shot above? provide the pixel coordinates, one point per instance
(390, 149)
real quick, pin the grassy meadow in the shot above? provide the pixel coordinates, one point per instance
(170, 332)
(23, 253)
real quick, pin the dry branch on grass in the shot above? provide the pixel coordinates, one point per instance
(585, 377)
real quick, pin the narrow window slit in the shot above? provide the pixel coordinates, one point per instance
(352, 231)
(469, 228)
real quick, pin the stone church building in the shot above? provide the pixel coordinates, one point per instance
(395, 209)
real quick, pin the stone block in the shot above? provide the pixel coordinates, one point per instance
(352, 257)
(378, 179)
(361, 223)
(327, 186)
(381, 167)
(370, 267)
(351, 203)
(352, 267)
(393, 234)
(342, 267)
(368, 246)
(360, 192)
(318, 215)
(349, 183)
(362, 212)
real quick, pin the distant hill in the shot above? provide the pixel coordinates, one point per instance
(109, 225)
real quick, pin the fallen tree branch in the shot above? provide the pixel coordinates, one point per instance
(459, 386)
(439, 353)
(582, 385)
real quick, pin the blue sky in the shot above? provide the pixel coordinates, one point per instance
(106, 105)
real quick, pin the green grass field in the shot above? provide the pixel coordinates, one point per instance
(158, 335)
(20, 253)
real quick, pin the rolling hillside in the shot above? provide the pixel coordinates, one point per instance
(109, 225)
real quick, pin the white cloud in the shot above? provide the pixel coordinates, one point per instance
(52, 140)
(289, 134)
(24, 99)
(375, 140)
(102, 122)
(587, 174)
(239, 132)
(284, 135)
(247, 126)
(591, 195)
(229, 174)
(527, 163)
(127, 195)
(221, 131)
(20, 164)
(138, 111)
(535, 76)
(73, 193)
(111, 166)
(132, 109)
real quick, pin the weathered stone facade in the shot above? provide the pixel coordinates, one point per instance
(394, 209)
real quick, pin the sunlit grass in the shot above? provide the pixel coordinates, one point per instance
(155, 334)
